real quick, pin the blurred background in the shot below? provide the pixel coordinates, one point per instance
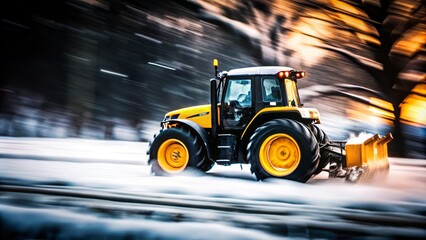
(106, 69)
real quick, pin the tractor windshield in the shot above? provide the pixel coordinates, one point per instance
(293, 99)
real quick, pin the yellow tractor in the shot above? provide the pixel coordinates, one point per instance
(255, 116)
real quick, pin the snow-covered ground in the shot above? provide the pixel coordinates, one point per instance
(74, 188)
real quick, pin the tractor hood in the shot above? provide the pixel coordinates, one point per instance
(198, 114)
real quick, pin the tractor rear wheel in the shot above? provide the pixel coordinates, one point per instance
(325, 149)
(283, 148)
(175, 150)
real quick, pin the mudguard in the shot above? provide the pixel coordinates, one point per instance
(197, 129)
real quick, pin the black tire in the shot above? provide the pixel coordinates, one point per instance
(325, 150)
(301, 137)
(206, 166)
(183, 137)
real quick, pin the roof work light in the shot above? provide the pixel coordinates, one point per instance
(288, 74)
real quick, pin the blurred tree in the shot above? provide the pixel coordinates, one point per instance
(386, 39)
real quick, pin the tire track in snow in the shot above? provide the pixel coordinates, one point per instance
(263, 215)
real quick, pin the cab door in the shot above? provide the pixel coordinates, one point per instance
(237, 103)
(269, 92)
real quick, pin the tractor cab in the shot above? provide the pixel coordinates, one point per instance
(247, 91)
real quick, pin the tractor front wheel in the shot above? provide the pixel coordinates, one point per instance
(283, 148)
(175, 150)
(206, 166)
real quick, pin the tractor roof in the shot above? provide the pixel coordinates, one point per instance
(270, 70)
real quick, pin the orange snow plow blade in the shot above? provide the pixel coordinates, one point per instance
(368, 157)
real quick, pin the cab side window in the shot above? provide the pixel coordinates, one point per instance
(237, 104)
(271, 91)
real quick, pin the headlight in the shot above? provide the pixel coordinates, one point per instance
(313, 114)
(309, 113)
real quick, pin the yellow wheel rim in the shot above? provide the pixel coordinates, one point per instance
(279, 155)
(173, 156)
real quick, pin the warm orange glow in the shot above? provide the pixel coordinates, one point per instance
(378, 112)
(369, 113)
(420, 89)
(303, 41)
(347, 7)
(381, 104)
(368, 39)
(358, 24)
(281, 74)
(413, 110)
(411, 42)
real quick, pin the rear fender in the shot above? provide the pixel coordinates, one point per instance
(264, 117)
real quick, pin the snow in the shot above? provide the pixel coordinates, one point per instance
(73, 149)
(98, 163)
(104, 188)
(361, 138)
(71, 225)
